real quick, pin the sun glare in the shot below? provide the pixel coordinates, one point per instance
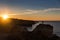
(5, 17)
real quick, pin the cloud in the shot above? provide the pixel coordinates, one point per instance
(52, 9)
(44, 11)
(32, 11)
(32, 14)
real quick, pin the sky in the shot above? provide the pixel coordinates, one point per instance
(31, 9)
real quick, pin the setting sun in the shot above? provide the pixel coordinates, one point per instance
(5, 17)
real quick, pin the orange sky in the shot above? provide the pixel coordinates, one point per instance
(37, 10)
(28, 14)
(36, 18)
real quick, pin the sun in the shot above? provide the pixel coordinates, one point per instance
(5, 16)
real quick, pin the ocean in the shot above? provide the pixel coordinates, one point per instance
(55, 24)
